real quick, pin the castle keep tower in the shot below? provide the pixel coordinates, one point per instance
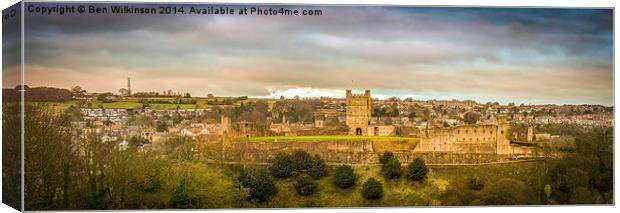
(359, 108)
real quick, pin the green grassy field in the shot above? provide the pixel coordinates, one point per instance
(328, 138)
(134, 102)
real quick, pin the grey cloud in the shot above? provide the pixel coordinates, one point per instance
(412, 50)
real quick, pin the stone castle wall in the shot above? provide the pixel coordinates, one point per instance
(368, 152)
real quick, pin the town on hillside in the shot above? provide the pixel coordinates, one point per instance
(141, 119)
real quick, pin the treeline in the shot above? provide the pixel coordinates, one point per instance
(38, 94)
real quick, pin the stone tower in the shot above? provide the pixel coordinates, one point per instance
(359, 107)
(530, 134)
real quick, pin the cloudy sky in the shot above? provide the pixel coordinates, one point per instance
(536, 56)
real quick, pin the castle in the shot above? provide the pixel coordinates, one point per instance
(358, 115)
(480, 142)
(461, 144)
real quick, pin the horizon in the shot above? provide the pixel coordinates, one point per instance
(358, 91)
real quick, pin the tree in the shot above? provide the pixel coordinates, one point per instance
(77, 91)
(471, 117)
(260, 184)
(50, 157)
(184, 196)
(508, 191)
(416, 170)
(281, 165)
(390, 166)
(318, 168)
(344, 177)
(301, 161)
(391, 170)
(123, 91)
(11, 151)
(305, 186)
(152, 183)
(372, 189)
(104, 97)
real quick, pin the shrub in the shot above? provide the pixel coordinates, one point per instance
(301, 161)
(344, 177)
(260, 184)
(305, 186)
(390, 166)
(318, 168)
(281, 166)
(475, 183)
(372, 189)
(417, 170)
(391, 169)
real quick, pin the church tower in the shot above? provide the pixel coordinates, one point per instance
(359, 108)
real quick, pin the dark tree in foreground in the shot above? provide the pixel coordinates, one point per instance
(417, 170)
(390, 166)
(372, 189)
(281, 166)
(318, 168)
(344, 177)
(301, 161)
(260, 184)
(305, 186)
